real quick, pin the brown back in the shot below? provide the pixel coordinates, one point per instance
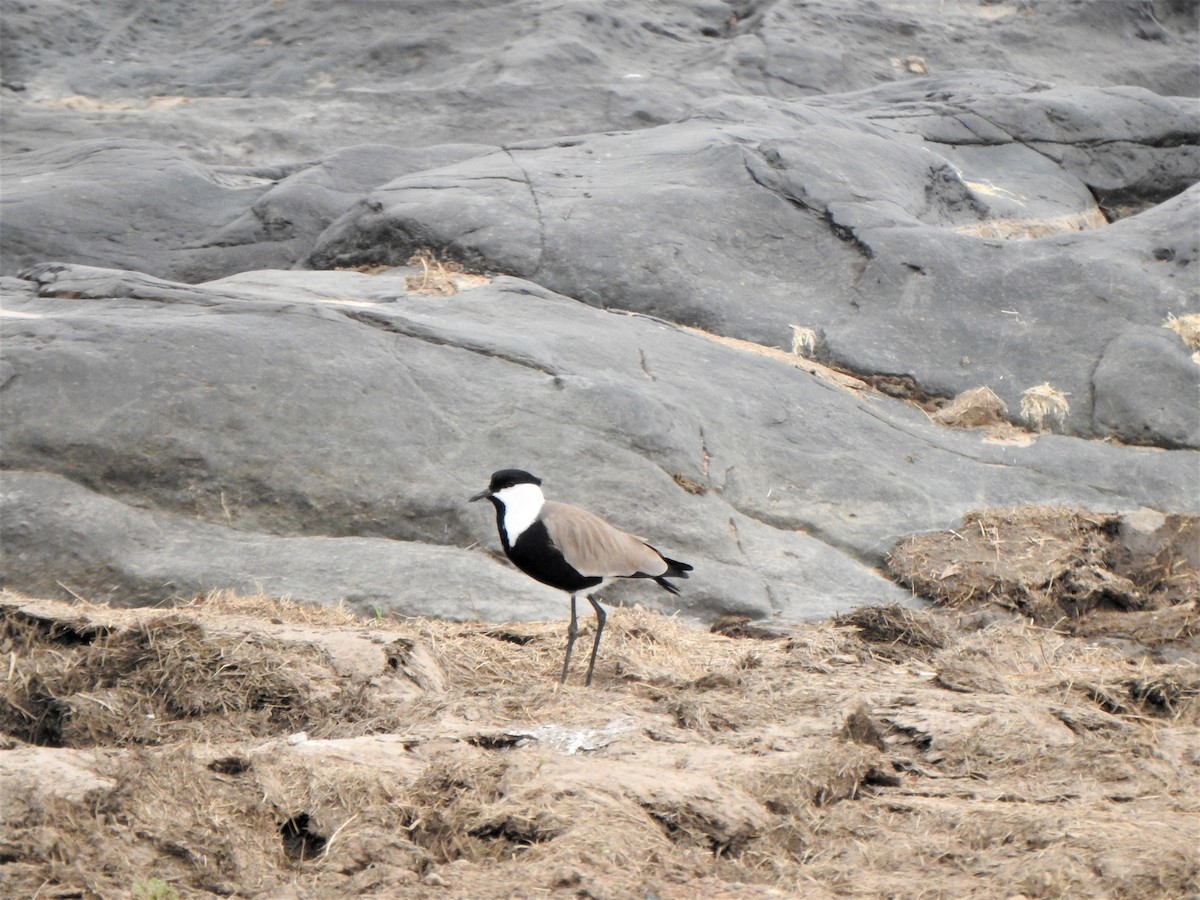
(594, 547)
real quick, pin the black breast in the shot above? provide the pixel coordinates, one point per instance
(537, 557)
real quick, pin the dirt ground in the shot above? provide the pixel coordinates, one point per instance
(1034, 733)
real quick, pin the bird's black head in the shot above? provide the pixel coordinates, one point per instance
(506, 478)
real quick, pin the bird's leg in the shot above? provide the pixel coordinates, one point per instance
(572, 630)
(600, 617)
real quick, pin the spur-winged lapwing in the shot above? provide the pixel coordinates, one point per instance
(569, 548)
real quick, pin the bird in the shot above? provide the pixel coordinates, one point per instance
(570, 548)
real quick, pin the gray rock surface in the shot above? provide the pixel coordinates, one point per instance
(272, 84)
(894, 222)
(328, 415)
(124, 555)
(87, 202)
(876, 219)
(1145, 389)
(948, 195)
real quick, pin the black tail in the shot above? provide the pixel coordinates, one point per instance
(675, 569)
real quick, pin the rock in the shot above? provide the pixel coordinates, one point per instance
(1146, 386)
(932, 203)
(890, 222)
(205, 222)
(201, 419)
(529, 69)
(87, 202)
(61, 539)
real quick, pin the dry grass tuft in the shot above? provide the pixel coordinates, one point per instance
(1054, 564)
(915, 65)
(367, 268)
(1187, 327)
(1172, 694)
(439, 277)
(150, 677)
(1044, 404)
(144, 684)
(896, 633)
(689, 484)
(976, 408)
(804, 341)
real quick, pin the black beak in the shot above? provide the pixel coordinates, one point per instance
(486, 492)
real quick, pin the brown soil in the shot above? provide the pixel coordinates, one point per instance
(1030, 740)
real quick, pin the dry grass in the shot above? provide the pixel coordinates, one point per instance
(895, 752)
(843, 380)
(914, 65)
(1187, 327)
(224, 605)
(439, 277)
(976, 408)
(1029, 229)
(1043, 405)
(896, 633)
(982, 408)
(804, 341)
(1062, 566)
(92, 104)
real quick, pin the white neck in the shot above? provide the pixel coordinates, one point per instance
(522, 503)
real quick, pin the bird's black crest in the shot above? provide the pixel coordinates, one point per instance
(506, 478)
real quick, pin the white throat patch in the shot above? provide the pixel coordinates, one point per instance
(522, 503)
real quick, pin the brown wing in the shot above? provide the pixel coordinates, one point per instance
(593, 547)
